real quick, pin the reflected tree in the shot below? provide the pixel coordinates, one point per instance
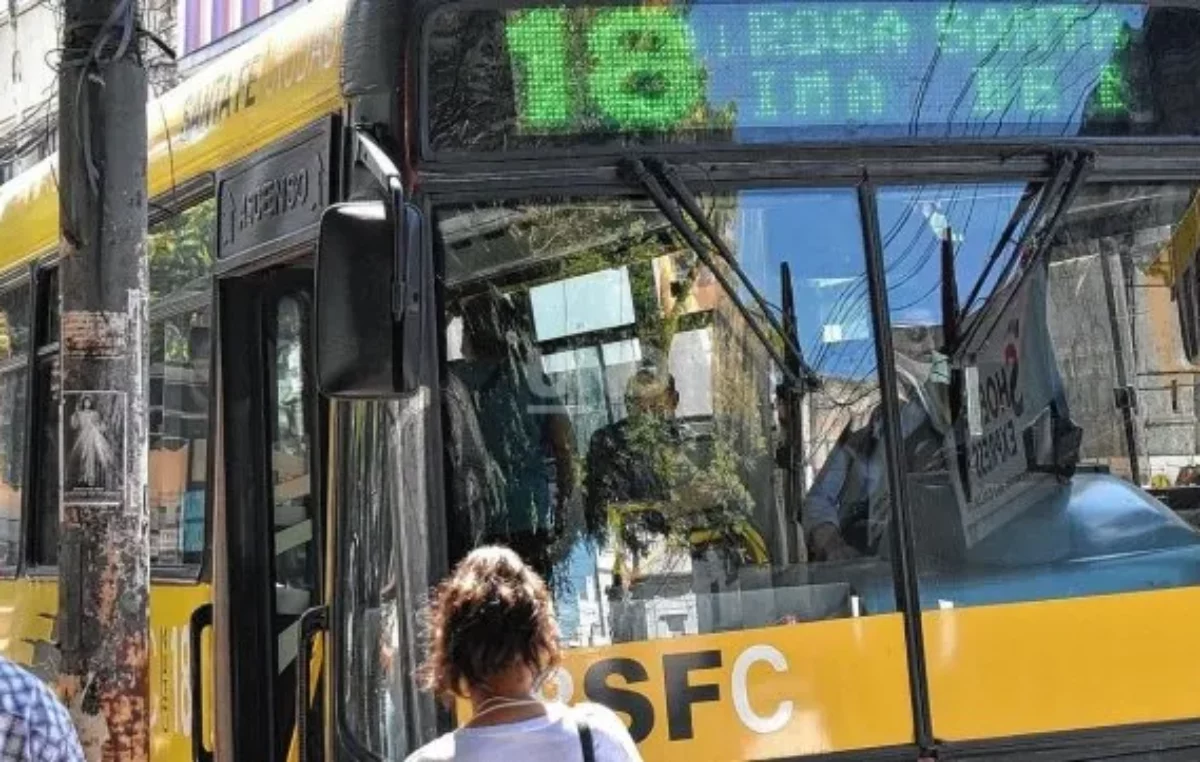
(180, 251)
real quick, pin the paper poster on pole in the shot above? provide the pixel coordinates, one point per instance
(93, 447)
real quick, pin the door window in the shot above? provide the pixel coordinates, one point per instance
(274, 536)
(294, 542)
(291, 482)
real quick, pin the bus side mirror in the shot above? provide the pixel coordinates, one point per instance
(369, 300)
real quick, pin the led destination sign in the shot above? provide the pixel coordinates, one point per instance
(813, 64)
(805, 70)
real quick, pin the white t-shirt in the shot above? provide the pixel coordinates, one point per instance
(553, 737)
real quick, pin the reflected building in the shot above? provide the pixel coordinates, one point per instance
(1113, 319)
(1117, 333)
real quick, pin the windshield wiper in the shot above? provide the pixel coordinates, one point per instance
(1014, 221)
(1056, 197)
(652, 175)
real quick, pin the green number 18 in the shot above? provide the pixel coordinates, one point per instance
(643, 67)
(539, 38)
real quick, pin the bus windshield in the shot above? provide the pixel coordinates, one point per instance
(613, 417)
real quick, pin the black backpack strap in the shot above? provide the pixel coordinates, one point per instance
(585, 738)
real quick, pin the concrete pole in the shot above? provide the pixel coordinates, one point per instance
(104, 555)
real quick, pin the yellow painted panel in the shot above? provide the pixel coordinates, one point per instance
(777, 691)
(261, 92)
(171, 608)
(1064, 665)
(1184, 243)
(27, 613)
(28, 609)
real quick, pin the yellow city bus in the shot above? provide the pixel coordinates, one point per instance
(819, 354)
(281, 92)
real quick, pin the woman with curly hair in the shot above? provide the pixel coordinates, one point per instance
(492, 639)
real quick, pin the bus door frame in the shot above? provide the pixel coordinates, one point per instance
(253, 267)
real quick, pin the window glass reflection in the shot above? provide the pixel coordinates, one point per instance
(179, 250)
(47, 385)
(14, 348)
(14, 323)
(614, 418)
(290, 458)
(641, 462)
(382, 442)
(295, 538)
(1057, 410)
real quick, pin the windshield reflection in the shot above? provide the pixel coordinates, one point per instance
(614, 419)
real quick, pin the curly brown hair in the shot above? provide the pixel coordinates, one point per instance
(491, 614)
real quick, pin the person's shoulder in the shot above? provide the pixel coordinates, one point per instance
(611, 436)
(441, 749)
(47, 724)
(609, 734)
(23, 693)
(599, 717)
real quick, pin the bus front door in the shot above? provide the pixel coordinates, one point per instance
(274, 527)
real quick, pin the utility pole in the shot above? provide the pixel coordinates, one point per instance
(104, 550)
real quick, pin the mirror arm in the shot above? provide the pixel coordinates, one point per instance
(370, 155)
(395, 209)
